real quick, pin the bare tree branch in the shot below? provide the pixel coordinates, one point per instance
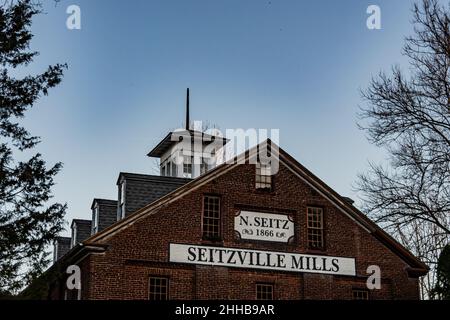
(410, 117)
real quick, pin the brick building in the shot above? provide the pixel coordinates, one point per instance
(234, 231)
(141, 255)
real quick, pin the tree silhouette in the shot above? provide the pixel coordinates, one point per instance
(442, 288)
(27, 223)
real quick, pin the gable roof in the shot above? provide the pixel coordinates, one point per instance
(103, 202)
(81, 222)
(417, 267)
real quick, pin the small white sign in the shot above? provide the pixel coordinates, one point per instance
(264, 226)
(258, 259)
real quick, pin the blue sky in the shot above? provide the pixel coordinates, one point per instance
(292, 65)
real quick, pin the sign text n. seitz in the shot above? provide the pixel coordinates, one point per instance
(264, 226)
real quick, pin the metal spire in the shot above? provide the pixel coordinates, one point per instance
(187, 109)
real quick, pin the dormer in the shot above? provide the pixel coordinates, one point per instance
(81, 230)
(61, 246)
(104, 214)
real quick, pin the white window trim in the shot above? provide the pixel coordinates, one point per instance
(122, 192)
(121, 201)
(187, 160)
(122, 211)
(96, 218)
(55, 253)
(74, 235)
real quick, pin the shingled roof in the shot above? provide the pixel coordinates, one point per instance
(142, 189)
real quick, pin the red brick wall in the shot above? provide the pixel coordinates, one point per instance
(142, 249)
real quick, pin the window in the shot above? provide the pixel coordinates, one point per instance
(211, 217)
(158, 288)
(187, 167)
(264, 291)
(174, 169)
(315, 228)
(168, 169)
(121, 213)
(263, 177)
(187, 170)
(95, 219)
(203, 167)
(360, 294)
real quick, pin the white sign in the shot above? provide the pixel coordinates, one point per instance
(264, 226)
(257, 259)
